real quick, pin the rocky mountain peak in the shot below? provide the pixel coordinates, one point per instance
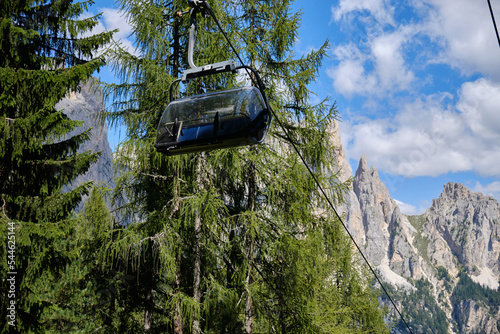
(460, 232)
(455, 191)
(378, 226)
(343, 166)
(371, 191)
(363, 172)
(85, 105)
(458, 192)
(362, 166)
(468, 225)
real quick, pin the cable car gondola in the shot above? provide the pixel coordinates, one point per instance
(214, 120)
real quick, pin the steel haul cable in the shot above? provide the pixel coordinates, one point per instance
(494, 23)
(312, 174)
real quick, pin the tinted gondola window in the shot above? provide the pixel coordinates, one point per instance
(225, 112)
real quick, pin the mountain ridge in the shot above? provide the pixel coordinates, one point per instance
(458, 233)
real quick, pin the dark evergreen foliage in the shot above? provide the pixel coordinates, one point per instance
(43, 57)
(467, 289)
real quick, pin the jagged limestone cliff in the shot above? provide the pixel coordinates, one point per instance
(85, 105)
(466, 226)
(428, 259)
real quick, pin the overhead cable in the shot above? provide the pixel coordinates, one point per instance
(494, 23)
(313, 176)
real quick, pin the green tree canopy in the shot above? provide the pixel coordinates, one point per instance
(46, 51)
(234, 240)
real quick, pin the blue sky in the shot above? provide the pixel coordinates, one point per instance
(417, 85)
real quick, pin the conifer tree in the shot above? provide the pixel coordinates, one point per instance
(234, 240)
(103, 282)
(43, 56)
(151, 185)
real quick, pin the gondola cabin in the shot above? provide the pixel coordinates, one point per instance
(212, 121)
(215, 120)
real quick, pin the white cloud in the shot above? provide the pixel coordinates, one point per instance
(373, 70)
(432, 133)
(410, 210)
(458, 33)
(350, 77)
(480, 105)
(465, 31)
(406, 208)
(380, 70)
(381, 10)
(114, 19)
(387, 51)
(430, 136)
(492, 189)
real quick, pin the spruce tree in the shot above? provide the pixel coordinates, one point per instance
(234, 240)
(43, 56)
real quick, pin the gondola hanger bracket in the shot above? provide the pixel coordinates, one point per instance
(224, 66)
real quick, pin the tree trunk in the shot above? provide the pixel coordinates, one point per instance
(176, 48)
(197, 271)
(177, 281)
(177, 312)
(148, 314)
(248, 282)
(252, 191)
(149, 286)
(250, 244)
(197, 253)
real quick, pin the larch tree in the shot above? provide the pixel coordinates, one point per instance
(166, 198)
(45, 52)
(151, 248)
(292, 247)
(239, 239)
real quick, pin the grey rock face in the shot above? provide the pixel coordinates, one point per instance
(460, 230)
(376, 222)
(85, 106)
(469, 223)
(351, 209)
(474, 317)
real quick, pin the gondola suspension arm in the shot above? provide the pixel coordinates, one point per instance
(202, 7)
